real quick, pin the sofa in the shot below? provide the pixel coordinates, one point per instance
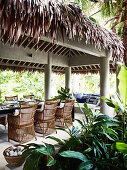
(88, 98)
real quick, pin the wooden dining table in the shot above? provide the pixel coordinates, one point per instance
(10, 108)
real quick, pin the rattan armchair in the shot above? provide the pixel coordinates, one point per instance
(21, 127)
(31, 96)
(63, 115)
(3, 120)
(11, 98)
(45, 119)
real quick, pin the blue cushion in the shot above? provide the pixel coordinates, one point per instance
(79, 95)
(82, 100)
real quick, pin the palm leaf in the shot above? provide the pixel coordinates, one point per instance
(122, 76)
(73, 154)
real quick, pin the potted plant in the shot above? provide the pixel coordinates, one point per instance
(63, 93)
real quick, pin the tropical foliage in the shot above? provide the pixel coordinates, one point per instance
(63, 93)
(19, 83)
(120, 106)
(114, 12)
(86, 148)
(120, 103)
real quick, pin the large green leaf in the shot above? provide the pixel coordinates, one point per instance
(122, 76)
(50, 149)
(32, 162)
(43, 150)
(73, 154)
(122, 147)
(51, 162)
(105, 123)
(86, 165)
(75, 131)
(27, 152)
(87, 150)
(102, 117)
(107, 135)
(56, 139)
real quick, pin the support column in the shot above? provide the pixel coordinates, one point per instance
(48, 72)
(68, 77)
(104, 82)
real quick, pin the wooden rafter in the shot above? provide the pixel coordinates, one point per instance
(48, 47)
(33, 46)
(40, 45)
(44, 46)
(22, 41)
(57, 49)
(29, 42)
(62, 49)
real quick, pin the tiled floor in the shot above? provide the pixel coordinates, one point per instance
(4, 140)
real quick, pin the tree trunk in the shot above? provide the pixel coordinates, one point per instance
(125, 34)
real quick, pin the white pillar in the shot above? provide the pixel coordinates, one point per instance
(68, 77)
(104, 82)
(48, 72)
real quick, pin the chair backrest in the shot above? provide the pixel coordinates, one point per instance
(50, 110)
(27, 112)
(11, 98)
(68, 106)
(31, 96)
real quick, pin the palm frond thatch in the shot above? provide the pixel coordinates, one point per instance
(49, 18)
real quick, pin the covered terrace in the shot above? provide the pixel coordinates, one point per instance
(54, 36)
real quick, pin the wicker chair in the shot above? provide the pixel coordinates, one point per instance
(3, 120)
(63, 115)
(11, 98)
(21, 127)
(45, 119)
(31, 96)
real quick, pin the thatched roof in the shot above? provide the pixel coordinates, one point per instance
(35, 18)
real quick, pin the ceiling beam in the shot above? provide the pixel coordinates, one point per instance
(77, 45)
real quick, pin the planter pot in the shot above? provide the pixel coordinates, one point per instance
(12, 160)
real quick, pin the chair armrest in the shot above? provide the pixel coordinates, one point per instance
(13, 116)
(59, 108)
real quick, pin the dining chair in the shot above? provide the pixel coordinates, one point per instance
(3, 120)
(21, 127)
(31, 96)
(63, 115)
(45, 119)
(11, 98)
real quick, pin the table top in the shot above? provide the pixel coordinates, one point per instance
(11, 107)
